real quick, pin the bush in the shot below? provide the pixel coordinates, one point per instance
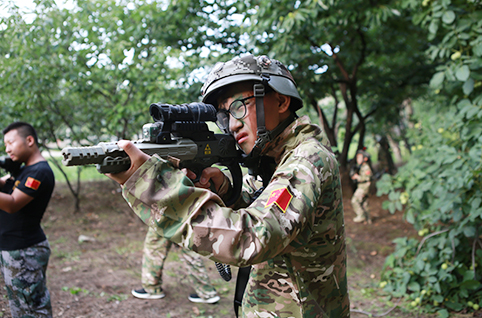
(440, 186)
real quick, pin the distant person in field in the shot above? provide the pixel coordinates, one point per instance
(25, 250)
(362, 176)
(156, 249)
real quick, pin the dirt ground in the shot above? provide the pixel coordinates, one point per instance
(96, 261)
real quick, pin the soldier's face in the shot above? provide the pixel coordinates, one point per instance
(16, 146)
(244, 129)
(359, 158)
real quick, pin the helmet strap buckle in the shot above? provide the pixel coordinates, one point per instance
(259, 92)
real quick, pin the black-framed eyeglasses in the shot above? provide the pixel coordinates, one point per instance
(237, 109)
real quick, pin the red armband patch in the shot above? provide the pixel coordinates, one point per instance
(32, 183)
(282, 198)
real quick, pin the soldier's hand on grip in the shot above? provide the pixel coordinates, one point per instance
(137, 158)
(211, 178)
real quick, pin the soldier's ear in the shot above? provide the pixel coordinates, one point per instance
(30, 140)
(284, 103)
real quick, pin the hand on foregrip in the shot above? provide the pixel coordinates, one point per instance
(137, 158)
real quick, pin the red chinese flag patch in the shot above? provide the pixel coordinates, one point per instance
(32, 183)
(282, 198)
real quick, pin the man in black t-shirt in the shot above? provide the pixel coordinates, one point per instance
(24, 248)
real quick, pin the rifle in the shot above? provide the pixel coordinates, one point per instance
(10, 166)
(179, 133)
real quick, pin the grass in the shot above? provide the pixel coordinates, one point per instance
(127, 248)
(66, 256)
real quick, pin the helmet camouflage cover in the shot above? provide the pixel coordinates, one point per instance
(251, 68)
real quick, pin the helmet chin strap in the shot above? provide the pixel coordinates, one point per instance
(252, 161)
(263, 135)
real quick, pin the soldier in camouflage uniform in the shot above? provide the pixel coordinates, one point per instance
(156, 249)
(359, 200)
(24, 248)
(293, 233)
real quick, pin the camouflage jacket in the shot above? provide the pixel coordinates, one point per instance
(366, 175)
(293, 233)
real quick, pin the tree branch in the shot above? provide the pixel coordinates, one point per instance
(362, 53)
(427, 237)
(339, 63)
(376, 315)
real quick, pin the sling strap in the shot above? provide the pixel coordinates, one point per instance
(241, 282)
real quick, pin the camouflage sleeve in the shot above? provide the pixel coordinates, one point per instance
(165, 199)
(365, 173)
(250, 185)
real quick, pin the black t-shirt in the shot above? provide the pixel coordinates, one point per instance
(22, 229)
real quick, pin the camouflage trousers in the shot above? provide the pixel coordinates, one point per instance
(359, 203)
(24, 272)
(156, 249)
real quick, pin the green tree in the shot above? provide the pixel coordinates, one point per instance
(90, 73)
(365, 55)
(440, 186)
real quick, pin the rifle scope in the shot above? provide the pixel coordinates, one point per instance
(194, 112)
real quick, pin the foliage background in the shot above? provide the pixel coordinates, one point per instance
(405, 69)
(440, 186)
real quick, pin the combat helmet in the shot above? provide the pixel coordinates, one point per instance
(266, 74)
(251, 68)
(364, 153)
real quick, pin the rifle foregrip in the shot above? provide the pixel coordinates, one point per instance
(108, 157)
(77, 156)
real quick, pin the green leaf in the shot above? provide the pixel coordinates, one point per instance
(477, 49)
(468, 86)
(414, 286)
(472, 112)
(443, 313)
(454, 306)
(462, 73)
(469, 231)
(437, 80)
(476, 203)
(418, 17)
(391, 207)
(433, 27)
(448, 17)
(470, 284)
(410, 217)
(432, 279)
(438, 298)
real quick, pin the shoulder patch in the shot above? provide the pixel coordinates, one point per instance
(281, 197)
(32, 183)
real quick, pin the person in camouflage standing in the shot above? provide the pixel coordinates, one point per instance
(363, 179)
(292, 232)
(25, 250)
(156, 249)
